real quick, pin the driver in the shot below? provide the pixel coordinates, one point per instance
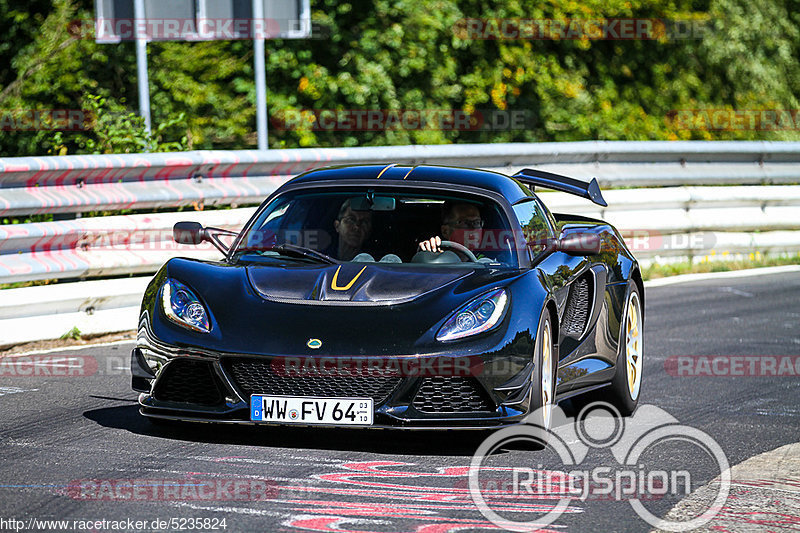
(461, 223)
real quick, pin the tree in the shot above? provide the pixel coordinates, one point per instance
(416, 55)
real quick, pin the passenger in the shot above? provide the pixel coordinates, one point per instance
(353, 228)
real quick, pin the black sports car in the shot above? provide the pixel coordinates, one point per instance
(395, 296)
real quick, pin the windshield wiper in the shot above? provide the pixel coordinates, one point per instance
(306, 252)
(293, 249)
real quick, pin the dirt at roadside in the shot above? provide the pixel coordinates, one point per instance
(764, 496)
(60, 343)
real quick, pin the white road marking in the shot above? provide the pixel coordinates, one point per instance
(737, 292)
(14, 390)
(230, 509)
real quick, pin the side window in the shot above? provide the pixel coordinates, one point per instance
(266, 233)
(535, 228)
(275, 217)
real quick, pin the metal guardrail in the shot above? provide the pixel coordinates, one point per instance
(72, 184)
(760, 208)
(102, 246)
(733, 219)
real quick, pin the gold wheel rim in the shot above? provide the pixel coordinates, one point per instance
(547, 376)
(634, 344)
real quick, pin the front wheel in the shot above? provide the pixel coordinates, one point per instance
(627, 382)
(543, 382)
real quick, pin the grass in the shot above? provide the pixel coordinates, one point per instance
(74, 334)
(756, 260)
(21, 284)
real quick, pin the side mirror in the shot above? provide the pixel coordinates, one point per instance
(194, 233)
(579, 243)
(188, 233)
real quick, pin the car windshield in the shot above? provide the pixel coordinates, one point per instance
(379, 225)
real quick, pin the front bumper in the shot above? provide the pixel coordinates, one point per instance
(189, 384)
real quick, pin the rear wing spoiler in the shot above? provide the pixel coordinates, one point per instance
(540, 178)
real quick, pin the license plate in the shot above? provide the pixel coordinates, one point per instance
(311, 410)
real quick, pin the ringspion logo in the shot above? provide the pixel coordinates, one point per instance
(653, 457)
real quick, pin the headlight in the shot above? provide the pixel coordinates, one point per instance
(183, 307)
(479, 315)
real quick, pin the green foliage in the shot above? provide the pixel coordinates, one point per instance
(74, 334)
(28, 219)
(720, 264)
(116, 130)
(407, 54)
(31, 283)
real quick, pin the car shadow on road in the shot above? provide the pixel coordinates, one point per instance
(417, 442)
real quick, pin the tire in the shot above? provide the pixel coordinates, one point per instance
(625, 389)
(543, 377)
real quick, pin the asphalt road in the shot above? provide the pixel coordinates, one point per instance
(73, 447)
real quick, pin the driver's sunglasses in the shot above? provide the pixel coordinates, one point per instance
(360, 222)
(468, 223)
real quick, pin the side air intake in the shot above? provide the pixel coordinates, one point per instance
(577, 312)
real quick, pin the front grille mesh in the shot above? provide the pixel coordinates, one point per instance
(451, 395)
(258, 377)
(188, 381)
(577, 312)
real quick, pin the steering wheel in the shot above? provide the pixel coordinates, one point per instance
(459, 248)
